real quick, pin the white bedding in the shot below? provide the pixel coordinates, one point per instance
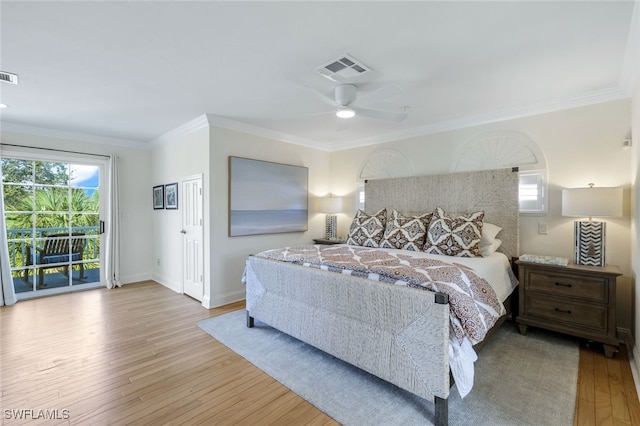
(495, 269)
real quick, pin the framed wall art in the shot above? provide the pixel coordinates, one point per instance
(158, 197)
(266, 197)
(171, 196)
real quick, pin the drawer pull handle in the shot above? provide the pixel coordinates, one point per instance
(563, 285)
(563, 311)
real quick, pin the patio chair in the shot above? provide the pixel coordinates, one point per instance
(55, 250)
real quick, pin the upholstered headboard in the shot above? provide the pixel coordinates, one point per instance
(493, 191)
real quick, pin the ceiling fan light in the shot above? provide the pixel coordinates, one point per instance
(345, 112)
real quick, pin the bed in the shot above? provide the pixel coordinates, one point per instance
(403, 334)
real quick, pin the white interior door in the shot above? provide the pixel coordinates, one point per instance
(192, 237)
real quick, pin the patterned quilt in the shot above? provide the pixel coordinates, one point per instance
(474, 306)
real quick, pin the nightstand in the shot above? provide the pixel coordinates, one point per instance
(575, 299)
(328, 242)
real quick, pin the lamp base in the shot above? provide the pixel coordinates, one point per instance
(589, 243)
(331, 227)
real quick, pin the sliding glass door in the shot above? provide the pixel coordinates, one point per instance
(52, 211)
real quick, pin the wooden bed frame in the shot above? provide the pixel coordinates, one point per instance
(375, 326)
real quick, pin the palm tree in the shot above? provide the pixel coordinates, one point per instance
(49, 208)
(37, 196)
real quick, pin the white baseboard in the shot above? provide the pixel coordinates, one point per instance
(170, 284)
(634, 359)
(130, 279)
(206, 302)
(224, 299)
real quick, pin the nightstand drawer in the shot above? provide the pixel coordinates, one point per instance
(579, 287)
(566, 312)
(574, 299)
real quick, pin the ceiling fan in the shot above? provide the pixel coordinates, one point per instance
(349, 105)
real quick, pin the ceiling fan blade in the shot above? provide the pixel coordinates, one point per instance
(379, 95)
(326, 98)
(381, 115)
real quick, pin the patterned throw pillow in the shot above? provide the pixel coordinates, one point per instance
(367, 230)
(459, 236)
(406, 232)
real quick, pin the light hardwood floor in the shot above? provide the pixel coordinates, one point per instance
(135, 355)
(606, 393)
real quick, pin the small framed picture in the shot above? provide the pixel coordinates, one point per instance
(158, 197)
(171, 196)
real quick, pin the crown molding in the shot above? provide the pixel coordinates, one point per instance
(629, 75)
(591, 98)
(71, 136)
(194, 125)
(554, 105)
(229, 124)
(206, 120)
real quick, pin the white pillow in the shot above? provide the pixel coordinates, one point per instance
(486, 251)
(489, 232)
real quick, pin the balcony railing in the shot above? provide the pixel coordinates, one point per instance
(20, 239)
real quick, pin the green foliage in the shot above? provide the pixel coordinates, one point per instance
(37, 194)
(52, 209)
(28, 171)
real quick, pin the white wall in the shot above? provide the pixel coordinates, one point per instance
(581, 145)
(228, 253)
(205, 151)
(135, 196)
(177, 155)
(635, 224)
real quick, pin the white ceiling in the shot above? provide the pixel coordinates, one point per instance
(137, 70)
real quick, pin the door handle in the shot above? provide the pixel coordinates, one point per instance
(183, 231)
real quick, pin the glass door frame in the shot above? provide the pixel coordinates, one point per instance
(72, 159)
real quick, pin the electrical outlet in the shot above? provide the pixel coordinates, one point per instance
(542, 228)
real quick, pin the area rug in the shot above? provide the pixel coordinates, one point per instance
(520, 380)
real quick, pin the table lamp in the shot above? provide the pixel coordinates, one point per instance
(589, 236)
(331, 206)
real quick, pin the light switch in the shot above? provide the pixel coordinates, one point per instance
(542, 228)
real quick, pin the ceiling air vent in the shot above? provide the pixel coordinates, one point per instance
(342, 69)
(7, 77)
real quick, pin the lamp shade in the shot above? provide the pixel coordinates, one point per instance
(587, 202)
(331, 205)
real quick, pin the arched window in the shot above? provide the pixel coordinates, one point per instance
(503, 149)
